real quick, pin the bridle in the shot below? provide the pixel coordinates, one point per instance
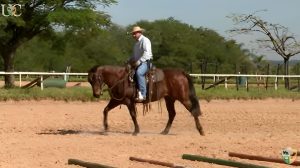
(109, 89)
(100, 77)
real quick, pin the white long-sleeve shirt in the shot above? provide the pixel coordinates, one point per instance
(142, 49)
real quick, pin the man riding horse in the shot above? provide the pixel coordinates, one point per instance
(170, 84)
(140, 59)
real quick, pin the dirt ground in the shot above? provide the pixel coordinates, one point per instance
(47, 133)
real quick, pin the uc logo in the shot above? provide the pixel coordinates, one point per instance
(11, 10)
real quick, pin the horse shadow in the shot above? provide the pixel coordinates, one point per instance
(82, 132)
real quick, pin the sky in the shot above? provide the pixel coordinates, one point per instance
(212, 14)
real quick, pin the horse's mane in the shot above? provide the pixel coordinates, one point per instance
(96, 67)
(93, 69)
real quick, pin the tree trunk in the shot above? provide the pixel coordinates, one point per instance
(8, 58)
(286, 72)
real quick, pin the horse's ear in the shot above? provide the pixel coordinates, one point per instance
(94, 69)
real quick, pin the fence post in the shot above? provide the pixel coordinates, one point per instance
(203, 71)
(267, 78)
(42, 83)
(276, 83)
(65, 77)
(276, 78)
(20, 80)
(298, 79)
(237, 78)
(247, 87)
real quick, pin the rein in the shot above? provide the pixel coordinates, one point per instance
(109, 89)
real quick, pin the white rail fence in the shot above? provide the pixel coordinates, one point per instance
(41, 75)
(226, 76)
(214, 76)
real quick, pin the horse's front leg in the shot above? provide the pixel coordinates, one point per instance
(132, 111)
(112, 104)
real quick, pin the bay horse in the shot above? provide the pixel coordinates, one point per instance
(176, 85)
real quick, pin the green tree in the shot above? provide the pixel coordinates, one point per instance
(41, 17)
(80, 50)
(177, 44)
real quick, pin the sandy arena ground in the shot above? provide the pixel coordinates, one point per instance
(46, 133)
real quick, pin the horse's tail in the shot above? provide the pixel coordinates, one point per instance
(195, 109)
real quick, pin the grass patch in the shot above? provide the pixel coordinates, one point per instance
(242, 93)
(85, 94)
(35, 93)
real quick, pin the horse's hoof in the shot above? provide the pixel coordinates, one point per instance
(164, 132)
(104, 133)
(134, 134)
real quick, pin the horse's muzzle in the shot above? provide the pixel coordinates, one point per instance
(96, 95)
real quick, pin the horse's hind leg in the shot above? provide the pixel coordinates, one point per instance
(194, 108)
(198, 125)
(172, 113)
(112, 104)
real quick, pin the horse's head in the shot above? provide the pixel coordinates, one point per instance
(95, 78)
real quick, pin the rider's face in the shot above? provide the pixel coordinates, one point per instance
(136, 35)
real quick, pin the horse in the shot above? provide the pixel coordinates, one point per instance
(175, 85)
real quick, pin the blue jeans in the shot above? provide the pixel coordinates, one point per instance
(140, 76)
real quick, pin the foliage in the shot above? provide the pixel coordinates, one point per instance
(174, 44)
(41, 18)
(177, 44)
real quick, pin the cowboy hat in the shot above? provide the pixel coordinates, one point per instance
(137, 29)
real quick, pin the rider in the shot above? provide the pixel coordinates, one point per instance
(142, 54)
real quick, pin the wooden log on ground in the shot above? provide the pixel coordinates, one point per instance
(217, 83)
(260, 158)
(220, 161)
(34, 82)
(31, 83)
(87, 164)
(155, 162)
(293, 87)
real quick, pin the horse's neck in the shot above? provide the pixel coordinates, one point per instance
(111, 78)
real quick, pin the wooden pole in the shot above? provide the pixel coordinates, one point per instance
(298, 79)
(203, 71)
(220, 161)
(217, 83)
(247, 83)
(267, 79)
(87, 164)
(20, 80)
(260, 158)
(34, 82)
(155, 162)
(237, 78)
(216, 72)
(276, 79)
